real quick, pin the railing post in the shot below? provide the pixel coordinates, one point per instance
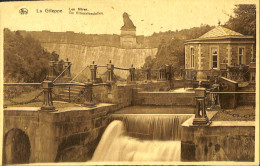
(47, 103)
(162, 73)
(51, 69)
(223, 69)
(200, 111)
(252, 70)
(89, 95)
(168, 72)
(148, 74)
(68, 72)
(110, 70)
(61, 67)
(56, 68)
(215, 96)
(228, 73)
(93, 69)
(132, 74)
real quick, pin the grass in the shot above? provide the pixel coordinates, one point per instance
(25, 97)
(56, 104)
(232, 114)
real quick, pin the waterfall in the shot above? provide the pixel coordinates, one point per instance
(153, 126)
(115, 145)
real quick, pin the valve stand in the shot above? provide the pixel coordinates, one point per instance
(47, 102)
(201, 118)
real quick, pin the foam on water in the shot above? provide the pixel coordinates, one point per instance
(115, 145)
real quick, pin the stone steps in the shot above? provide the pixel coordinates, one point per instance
(70, 93)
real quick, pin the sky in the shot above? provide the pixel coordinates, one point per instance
(148, 16)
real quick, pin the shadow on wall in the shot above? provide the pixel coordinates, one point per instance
(16, 147)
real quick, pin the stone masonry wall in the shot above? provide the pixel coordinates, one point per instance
(218, 143)
(165, 98)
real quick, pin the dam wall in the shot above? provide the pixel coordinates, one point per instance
(83, 55)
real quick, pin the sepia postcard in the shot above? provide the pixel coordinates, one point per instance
(129, 82)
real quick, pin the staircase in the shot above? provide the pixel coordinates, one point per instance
(71, 93)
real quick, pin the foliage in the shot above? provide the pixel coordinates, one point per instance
(24, 58)
(171, 43)
(244, 19)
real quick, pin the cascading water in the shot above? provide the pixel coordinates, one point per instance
(141, 137)
(153, 126)
(115, 145)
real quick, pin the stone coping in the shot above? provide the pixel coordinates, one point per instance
(65, 109)
(211, 114)
(142, 83)
(232, 123)
(153, 115)
(22, 109)
(68, 109)
(170, 92)
(188, 122)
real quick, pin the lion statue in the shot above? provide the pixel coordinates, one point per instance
(128, 24)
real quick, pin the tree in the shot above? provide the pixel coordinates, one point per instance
(24, 58)
(244, 19)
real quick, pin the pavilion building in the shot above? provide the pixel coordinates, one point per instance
(218, 46)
